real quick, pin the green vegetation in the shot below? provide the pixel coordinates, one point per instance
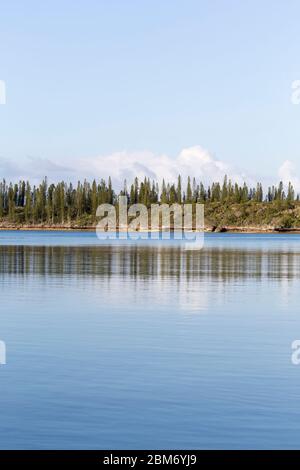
(226, 205)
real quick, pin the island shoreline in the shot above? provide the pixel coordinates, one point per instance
(225, 229)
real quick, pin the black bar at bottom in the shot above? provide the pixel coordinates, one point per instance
(134, 459)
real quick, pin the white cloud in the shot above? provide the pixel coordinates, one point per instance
(191, 161)
(287, 174)
(35, 169)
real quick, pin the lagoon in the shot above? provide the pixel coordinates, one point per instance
(147, 345)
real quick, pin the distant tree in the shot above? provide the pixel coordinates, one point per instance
(291, 193)
(225, 189)
(189, 194)
(179, 194)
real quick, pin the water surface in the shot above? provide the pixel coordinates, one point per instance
(147, 345)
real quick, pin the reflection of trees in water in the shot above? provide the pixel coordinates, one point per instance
(148, 262)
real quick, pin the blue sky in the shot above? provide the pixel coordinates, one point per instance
(91, 78)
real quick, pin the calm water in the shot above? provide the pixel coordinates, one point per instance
(146, 345)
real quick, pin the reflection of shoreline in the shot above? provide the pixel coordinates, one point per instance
(146, 262)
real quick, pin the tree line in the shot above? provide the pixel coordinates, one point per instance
(62, 202)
